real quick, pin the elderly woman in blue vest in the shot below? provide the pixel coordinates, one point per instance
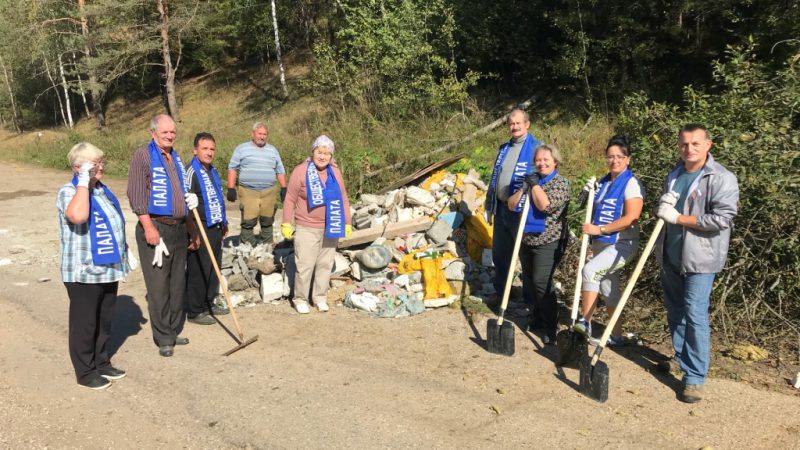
(615, 235)
(542, 241)
(94, 257)
(316, 201)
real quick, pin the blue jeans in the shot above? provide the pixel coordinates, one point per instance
(686, 298)
(505, 225)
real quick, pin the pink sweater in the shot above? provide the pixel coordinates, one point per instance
(296, 203)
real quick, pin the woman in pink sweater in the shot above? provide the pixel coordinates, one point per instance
(317, 203)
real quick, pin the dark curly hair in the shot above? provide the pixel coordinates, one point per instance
(621, 141)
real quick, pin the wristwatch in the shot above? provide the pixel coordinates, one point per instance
(603, 230)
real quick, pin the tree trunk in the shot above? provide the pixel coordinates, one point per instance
(14, 116)
(66, 92)
(278, 50)
(94, 86)
(169, 71)
(55, 90)
(80, 88)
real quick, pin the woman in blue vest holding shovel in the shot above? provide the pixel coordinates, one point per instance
(94, 257)
(543, 238)
(615, 236)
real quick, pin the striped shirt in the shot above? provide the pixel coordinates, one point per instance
(139, 184)
(258, 166)
(76, 247)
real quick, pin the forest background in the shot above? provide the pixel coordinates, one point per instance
(391, 81)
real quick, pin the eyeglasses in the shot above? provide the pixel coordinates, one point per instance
(615, 157)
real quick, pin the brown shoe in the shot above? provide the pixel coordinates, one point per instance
(692, 393)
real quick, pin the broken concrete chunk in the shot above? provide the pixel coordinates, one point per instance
(456, 270)
(271, 287)
(237, 282)
(341, 265)
(420, 197)
(379, 221)
(373, 199)
(486, 258)
(355, 270)
(439, 232)
(375, 257)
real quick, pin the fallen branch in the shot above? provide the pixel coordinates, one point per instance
(524, 105)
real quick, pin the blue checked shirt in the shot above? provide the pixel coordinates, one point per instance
(76, 251)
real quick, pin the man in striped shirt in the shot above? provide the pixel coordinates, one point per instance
(165, 230)
(261, 177)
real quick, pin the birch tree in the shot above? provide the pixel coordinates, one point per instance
(278, 49)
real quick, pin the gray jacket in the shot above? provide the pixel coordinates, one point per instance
(713, 199)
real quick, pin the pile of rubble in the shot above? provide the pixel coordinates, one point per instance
(412, 248)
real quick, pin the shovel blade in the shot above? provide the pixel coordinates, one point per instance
(593, 379)
(500, 338)
(570, 346)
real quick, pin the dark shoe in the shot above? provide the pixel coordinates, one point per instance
(202, 319)
(181, 340)
(112, 373)
(166, 350)
(692, 393)
(97, 384)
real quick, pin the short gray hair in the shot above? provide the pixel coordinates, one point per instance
(554, 151)
(155, 119)
(258, 125)
(525, 114)
(82, 152)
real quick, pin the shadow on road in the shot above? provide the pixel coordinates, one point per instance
(128, 320)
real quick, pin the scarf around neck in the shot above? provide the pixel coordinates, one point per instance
(160, 202)
(329, 196)
(608, 206)
(211, 189)
(101, 236)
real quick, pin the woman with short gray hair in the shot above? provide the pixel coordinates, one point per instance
(544, 236)
(94, 257)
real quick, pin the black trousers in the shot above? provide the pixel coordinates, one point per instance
(165, 284)
(91, 308)
(202, 283)
(538, 265)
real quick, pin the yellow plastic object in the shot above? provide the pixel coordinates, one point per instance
(436, 177)
(479, 235)
(436, 285)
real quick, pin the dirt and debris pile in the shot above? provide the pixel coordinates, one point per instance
(412, 248)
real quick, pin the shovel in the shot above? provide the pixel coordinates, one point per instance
(593, 372)
(499, 333)
(571, 345)
(241, 343)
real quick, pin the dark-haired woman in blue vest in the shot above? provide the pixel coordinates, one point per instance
(615, 235)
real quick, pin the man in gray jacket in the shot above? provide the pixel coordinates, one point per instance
(699, 205)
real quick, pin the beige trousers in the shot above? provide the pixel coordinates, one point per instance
(257, 204)
(313, 255)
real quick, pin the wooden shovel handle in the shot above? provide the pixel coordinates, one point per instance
(526, 205)
(576, 298)
(628, 289)
(221, 279)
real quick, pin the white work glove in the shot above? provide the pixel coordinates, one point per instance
(670, 198)
(161, 251)
(83, 174)
(133, 263)
(666, 207)
(591, 184)
(191, 200)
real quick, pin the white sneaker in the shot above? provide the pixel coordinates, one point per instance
(301, 307)
(322, 307)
